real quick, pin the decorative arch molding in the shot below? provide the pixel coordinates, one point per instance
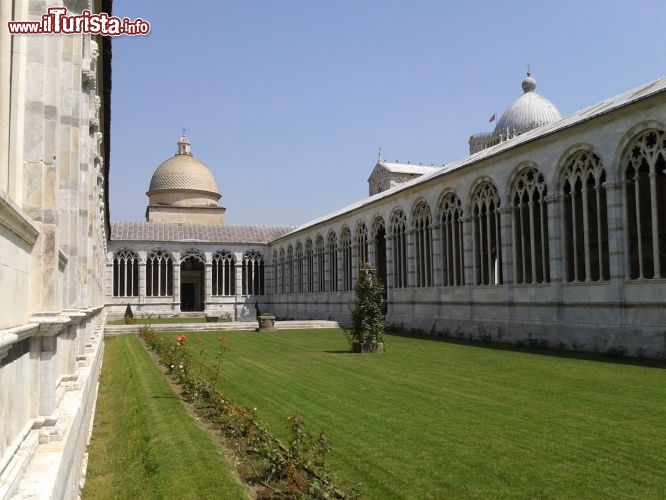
(446, 195)
(360, 222)
(224, 252)
(561, 165)
(398, 214)
(473, 188)
(193, 253)
(420, 207)
(125, 253)
(159, 251)
(378, 223)
(628, 138)
(516, 172)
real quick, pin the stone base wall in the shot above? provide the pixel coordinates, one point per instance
(49, 371)
(239, 308)
(627, 317)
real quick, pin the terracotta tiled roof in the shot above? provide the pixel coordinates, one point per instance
(163, 231)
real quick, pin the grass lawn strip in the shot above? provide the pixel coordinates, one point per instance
(432, 419)
(144, 443)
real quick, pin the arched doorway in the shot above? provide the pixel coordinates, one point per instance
(192, 283)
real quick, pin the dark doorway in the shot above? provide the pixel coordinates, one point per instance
(192, 285)
(187, 297)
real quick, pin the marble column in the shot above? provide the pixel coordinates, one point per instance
(437, 254)
(208, 284)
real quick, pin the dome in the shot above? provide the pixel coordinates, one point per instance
(183, 172)
(529, 111)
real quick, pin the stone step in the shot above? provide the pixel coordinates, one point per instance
(112, 330)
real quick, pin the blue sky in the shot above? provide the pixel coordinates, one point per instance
(288, 101)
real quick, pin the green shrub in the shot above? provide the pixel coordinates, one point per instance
(368, 308)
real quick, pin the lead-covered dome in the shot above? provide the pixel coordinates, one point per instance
(529, 111)
(183, 172)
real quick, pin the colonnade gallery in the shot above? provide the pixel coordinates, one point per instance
(552, 228)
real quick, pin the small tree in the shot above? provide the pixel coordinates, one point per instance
(129, 315)
(368, 309)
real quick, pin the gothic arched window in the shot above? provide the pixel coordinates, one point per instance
(223, 273)
(332, 257)
(299, 285)
(346, 253)
(585, 218)
(530, 227)
(321, 265)
(379, 247)
(125, 273)
(289, 278)
(252, 273)
(399, 234)
(453, 251)
(645, 175)
(282, 287)
(310, 264)
(159, 274)
(486, 235)
(421, 222)
(362, 244)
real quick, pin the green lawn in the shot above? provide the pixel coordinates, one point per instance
(144, 443)
(431, 419)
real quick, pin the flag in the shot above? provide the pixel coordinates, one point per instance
(492, 118)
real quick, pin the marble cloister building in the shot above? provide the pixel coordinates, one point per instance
(184, 257)
(552, 230)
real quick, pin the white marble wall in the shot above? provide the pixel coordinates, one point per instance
(52, 254)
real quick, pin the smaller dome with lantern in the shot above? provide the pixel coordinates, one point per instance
(183, 189)
(529, 111)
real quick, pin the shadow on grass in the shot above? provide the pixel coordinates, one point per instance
(540, 351)
(165, 396)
